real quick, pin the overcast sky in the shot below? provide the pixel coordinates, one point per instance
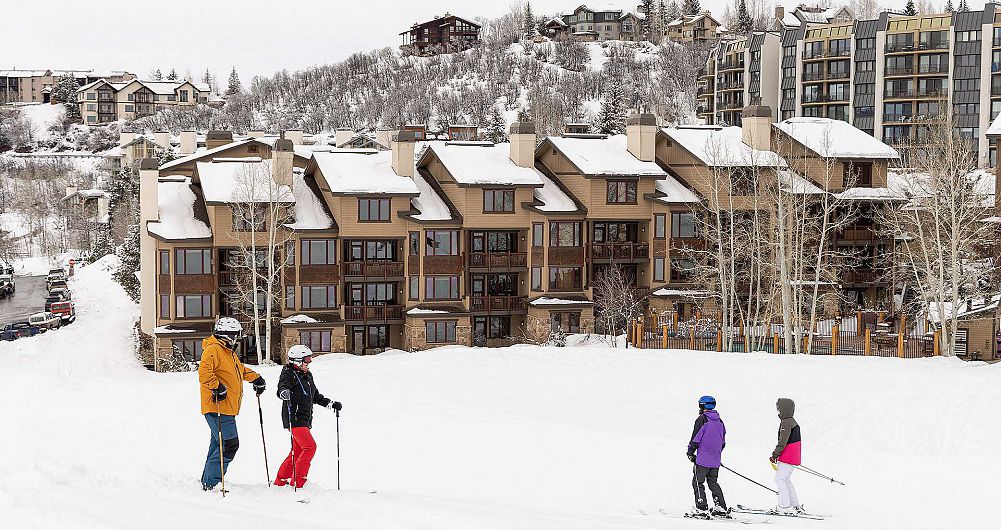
(255, 36)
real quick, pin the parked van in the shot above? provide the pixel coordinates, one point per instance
(65, 310)
(45, 321)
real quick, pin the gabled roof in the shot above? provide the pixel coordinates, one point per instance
(208, 153)
(603, 156)
(352, 173)
(994, 131)
(835, 139)
(721, 146)
(478, 164)
(240, 182)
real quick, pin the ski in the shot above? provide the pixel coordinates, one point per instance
(757, 511)
(689, 515)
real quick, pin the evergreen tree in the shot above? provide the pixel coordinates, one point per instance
(647, 22)
(528, 24)
(172, 76)
(612, 117)
(496, 125)
(128, 253)
(65, 92)
(744, 22)
(691, 7)
(963, 7)
(948, 6)
(909, 9)
(671, 12)
(102, 243)
(158, 75)
(234, 83)
(207, 77)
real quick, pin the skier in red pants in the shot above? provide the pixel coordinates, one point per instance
(298, 393)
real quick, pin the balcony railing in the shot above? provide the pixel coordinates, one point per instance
(897, 117)
(812, 55)
(900, 70)
(813, 76)
(824, 98)
(940, 92)
(623, 251)
(731, 105)
(839, 53)
(996, 90)
(933, 45)
(856, 275)
(837, 74)
(899, 94)
(732, 65)
(995, 67)
(373, 312)
(857, 233)
(497, 303)
(498, 260)
(933, 69)
(892, 47)
(373, 269)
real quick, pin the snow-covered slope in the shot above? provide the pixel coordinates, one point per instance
(522, 437)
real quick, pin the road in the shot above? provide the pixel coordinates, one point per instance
(27, 300)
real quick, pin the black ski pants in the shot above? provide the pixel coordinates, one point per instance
(702, 475)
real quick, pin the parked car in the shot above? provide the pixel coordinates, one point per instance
(52, 299)
(65, 310)
(57, 284)
(55, 275)
(7, 285)
(45, 321)
(17, 330)
(63, 292)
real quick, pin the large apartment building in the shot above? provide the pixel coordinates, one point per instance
(35, 86)
(884, 76)
(463, 242)
(105, 101)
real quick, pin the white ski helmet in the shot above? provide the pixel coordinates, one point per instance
(298, 353)
(228, 330)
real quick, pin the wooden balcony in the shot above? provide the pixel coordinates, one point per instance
(856, 233)
(856, 276)
(194, 283)
(620, 251)
(373, 312)
(573, 256)
(443, 264)
(373, 269)
(498, 260)
(498, 304)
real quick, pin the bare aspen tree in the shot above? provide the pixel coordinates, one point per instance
(617, 299)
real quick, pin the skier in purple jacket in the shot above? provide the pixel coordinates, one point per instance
(705, 450)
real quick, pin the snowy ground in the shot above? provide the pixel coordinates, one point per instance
(464, 438)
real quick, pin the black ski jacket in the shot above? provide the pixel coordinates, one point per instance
(303, 395)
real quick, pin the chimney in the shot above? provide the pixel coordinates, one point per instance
(384, 136)
(215, 139)
(149, 210)
(780, 13)
(162, 138)
(403, 146)
(256, 133)
(641, 137)
(522, 137)
(125, 137)
(295, 135)
(756, 127)
(343, 136)
(189, 142)
(281, 162)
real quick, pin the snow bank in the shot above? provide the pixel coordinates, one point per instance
(41, 116)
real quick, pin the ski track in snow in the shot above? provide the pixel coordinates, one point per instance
(521, 437)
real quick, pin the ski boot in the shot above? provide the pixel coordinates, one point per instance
(699, 513)
(721, 513)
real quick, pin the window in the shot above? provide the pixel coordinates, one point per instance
(789, 72)
(865, 89)
(164, 306)
(658, 269)
(615, 232)
(564, 234)
(537, 235)
(415, 243)
(289, 297)
(194, 306)
(164, 262)
(440, 331)
(682, 225)
(865, 66)
(414, 288)
(317, 341)
(373, 210)
(498, 201)
(377, 336)
(91, 119)
(441, 288)
(858, 174)
(565, 322)
(492, 327)
(128, 108)
(536, 278)
(682, 270)
(184, 95)
(659, 226)
(191, 350)
(132, 96)
(189, 261)
(565, 278)
(788, 51)
(837, 92)
(963, 60)
(246, 219)
(319, 296)
(967, 84)
(319, 251)
(866, 44)
(621, 192)
(171, 98)
(967, 36)
(441, 243)
(967, 108)
(92, 96)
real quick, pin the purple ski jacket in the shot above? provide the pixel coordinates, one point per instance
(708, 440)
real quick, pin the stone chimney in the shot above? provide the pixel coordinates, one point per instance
(149, 210)
(342, 136)
(403, 145)
(641, 137)
(780, 13)
(522, 137)
(384, 136)
(162, 138)
(189, 142)
(295, 135)
(256, 133)
(756, 127)
(125, 137)
(215, 139)
(281, 162)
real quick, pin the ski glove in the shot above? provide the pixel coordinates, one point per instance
(284, 394)
(219, 393)
(334, 405)
(258, 385)
(691, 456)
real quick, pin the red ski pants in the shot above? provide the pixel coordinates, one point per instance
(303, 449)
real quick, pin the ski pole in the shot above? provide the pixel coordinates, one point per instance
(749, 479)
(821, 475)
(337, 420)
(291, 439)
(260, 414)
(222, 468)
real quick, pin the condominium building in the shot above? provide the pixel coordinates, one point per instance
(694, 28)
(597, 22)
(445, 34)
(884, 76)
(35, 86)
(105, 101)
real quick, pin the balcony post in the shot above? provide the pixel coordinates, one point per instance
(900, 335)
(663, 336)
(868, 342)
(835, 335)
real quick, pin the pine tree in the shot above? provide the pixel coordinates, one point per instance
(963, 7)
(646, 23)
(65, 92)
(612, 117)
(948, 6)
(672, 12)
(172, 76)
(691, 7)
(207, 77)
(496, 125)
(744, 22)
(158, 75)
(909, 9)
(101, 246)
(528, 24)
(234, 83)
(128, 253)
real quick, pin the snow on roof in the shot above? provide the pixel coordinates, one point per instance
(545, 300)
(721, 146)
(431, 206)
(790, 20)
(299, 319)
(177, 213)
(159, 330)
(355, 173)
(967, 308)
(675, 192)
(419, 311)
(679, 292)
(309, 211)
(225, 182)
(483, 164)
(797, 184)
(558, 20)
(870, 194)
(552, 197)
(204, 152)
(835, 138)
(605, 156)
(995, 128)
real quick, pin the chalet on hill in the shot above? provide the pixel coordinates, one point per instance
(444, 34)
